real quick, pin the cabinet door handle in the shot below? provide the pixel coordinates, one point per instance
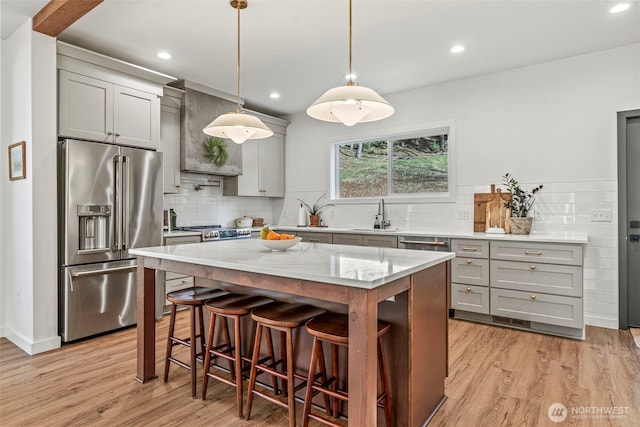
(470, 249)
(468, 289)
(109, 133)
(533, 297)
(533, 267)
(469, 261)
(117, 134)
(532, 253)
(184, 280)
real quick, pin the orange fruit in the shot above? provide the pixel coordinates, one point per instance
(286, 236)
(272, 235)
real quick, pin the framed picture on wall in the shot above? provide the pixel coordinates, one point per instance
(17, 161)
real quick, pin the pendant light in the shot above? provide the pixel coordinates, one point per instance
(350, 104)
(238, 126)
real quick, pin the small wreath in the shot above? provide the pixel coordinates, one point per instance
(215, 150)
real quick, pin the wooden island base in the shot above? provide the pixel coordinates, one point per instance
(416, 345)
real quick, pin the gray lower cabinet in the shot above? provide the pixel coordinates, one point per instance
(537, 307)
(470, 298)
(351, 239)
(377, 241)
(315, 237)
(470, 276)
(528, 285)
(348, 239)
(169, 280)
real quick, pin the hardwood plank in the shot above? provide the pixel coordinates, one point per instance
(498, 377)
(57, 15)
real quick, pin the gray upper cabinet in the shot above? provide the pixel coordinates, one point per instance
(262, 169)
(170, 138)
(98, 110)
(263, 163)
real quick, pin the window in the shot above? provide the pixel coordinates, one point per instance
(410, 165)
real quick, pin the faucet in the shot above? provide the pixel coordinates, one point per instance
(380, 221)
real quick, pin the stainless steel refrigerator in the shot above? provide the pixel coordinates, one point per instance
(109, 201)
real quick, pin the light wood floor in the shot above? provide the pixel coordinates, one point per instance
(498, 377)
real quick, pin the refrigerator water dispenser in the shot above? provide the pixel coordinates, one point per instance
(93, 228)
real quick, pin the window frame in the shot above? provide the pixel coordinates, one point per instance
(424, 130)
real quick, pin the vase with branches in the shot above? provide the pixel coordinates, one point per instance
(520, 204)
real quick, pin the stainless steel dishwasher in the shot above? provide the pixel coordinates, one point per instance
(428, 243)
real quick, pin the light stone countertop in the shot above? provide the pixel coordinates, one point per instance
(535, 237)
(355, 266)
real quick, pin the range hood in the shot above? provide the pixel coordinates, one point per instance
(199, 108)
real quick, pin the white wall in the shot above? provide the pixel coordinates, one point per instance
(552, 123)
(29, 257)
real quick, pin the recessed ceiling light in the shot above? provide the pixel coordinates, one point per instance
(351, 76)
(274, 95)
(621, 7)
(164, 55)
(457, 49)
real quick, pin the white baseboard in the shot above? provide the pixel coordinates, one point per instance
(602, 322)
(32, 347)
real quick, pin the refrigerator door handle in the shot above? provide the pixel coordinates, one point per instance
(118, 203)
(126, 161)
(102, 271)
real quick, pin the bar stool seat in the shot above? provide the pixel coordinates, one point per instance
(333, 328)
(283, 317)
(194, 298)
(230, 306)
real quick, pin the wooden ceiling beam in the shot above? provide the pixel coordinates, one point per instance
(58, 15)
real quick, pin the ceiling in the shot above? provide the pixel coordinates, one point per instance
(299, 48)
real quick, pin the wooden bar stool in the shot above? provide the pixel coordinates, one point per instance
(230, 306)
(283, 317)
(334, 329)
(194, 298)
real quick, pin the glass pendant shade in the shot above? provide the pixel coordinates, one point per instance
(349, 105)
(238, 127)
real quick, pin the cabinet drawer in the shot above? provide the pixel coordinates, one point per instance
(471, 271)
(550, 309)
(380, 241)
(177, 284)
(470, 298)
(315, 237)
(348, 239)
(470, 248)
(537, 252)
(177, 240)
(535, 277)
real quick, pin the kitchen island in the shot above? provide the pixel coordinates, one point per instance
(406, 288)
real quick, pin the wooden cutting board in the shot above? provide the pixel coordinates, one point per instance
(489, 210)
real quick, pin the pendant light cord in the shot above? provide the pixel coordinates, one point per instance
(350, 82)
(238, 99)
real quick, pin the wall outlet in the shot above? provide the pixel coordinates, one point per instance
(600, 215)
(462, 215)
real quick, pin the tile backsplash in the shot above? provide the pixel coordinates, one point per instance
(208, 207)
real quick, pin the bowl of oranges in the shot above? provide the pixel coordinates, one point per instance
(278, 241)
